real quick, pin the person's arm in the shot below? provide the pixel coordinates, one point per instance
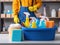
(38, 3)
(15, 7)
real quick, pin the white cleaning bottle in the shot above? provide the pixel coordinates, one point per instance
(53, 13)
(59, 12)
(59, 27)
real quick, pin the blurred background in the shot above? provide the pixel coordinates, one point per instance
(6, 17)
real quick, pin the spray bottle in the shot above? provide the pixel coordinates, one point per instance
(42, 23)
(27, 23)
(33, 23)
(37, 22)
(43, 20)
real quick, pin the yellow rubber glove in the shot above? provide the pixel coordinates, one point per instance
(31, 8)
(35, 8)
(16, 20)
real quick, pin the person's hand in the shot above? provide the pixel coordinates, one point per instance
(16, 20)
(35, 8)
(31, 8)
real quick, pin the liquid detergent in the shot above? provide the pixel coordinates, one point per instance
(27, 23)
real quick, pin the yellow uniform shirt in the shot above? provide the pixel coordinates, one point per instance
(26, 3)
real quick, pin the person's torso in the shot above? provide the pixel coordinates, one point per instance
(27, 2)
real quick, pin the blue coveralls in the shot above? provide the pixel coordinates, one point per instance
(21, 15)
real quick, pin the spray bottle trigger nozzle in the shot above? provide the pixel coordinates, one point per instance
(27, 14)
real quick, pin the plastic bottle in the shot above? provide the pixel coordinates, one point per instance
(4, 12)
(8, 12)
(59, 12)
(34, 23)
(53, 13)
(4, 27)
(27, 23)
(42, 23)
(59, 27)
(37, 22)
(44, 10)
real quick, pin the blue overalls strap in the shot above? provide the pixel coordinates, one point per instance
(21, 15)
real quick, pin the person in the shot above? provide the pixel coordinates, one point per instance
(21, 6)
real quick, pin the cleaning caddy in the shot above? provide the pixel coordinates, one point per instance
(45, 31)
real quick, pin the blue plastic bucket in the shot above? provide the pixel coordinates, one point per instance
(39, 34)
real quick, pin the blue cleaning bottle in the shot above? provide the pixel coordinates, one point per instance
(42, 23)
(37, 22)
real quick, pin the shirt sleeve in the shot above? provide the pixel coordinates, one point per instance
(15, 7)
(38, 3)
